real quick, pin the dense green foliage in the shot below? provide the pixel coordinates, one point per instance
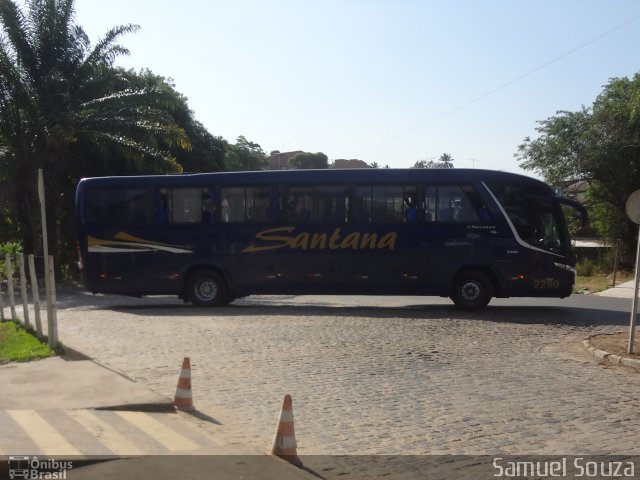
(66, 109)
(12, 249)
(599, 145)
(244, 155)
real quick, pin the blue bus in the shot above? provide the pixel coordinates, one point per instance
(210, 238)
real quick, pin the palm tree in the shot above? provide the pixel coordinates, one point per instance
(63, 104)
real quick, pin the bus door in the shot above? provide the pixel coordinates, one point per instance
(460, 232)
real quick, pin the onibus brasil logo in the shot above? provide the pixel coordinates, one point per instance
(35, 468)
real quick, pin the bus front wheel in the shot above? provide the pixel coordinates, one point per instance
(207, 288)
(472, 290)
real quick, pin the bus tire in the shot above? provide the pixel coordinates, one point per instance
(207, 288)
(472, 290)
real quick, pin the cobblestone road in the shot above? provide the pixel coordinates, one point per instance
(408, 376)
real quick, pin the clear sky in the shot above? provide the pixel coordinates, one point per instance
(387, 81)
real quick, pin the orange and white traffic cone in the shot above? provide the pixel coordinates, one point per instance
(284, 442)
(184, 399)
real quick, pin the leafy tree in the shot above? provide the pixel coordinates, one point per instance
(245, 155)
(445, 161)
(65, 109)
(309, 160)
(206, 152)
(600, 145)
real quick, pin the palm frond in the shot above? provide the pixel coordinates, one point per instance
(116, 97)
(139, 147)
(105, 50)
(18, 31)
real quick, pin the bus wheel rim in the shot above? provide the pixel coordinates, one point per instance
(206, 290)
(470, 291)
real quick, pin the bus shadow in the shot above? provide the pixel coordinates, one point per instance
(541, 315)
(582, 311)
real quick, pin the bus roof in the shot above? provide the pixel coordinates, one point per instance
(325, 176)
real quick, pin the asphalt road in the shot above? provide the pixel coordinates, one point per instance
(379, 375)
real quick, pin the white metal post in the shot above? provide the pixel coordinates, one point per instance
(45, 246)
(53, 318)
(8, 268)
(23, 290)
(1, 305)
(35, 293)
(634, 305)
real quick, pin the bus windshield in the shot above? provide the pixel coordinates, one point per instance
(537, 219)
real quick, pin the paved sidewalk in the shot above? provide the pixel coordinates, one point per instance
(82, 411)
(623, 290)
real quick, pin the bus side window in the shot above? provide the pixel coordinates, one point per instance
(245, 205)
(129, 206)
(330, 204)
(300, 205)
(387, 204)
(318, 204)
(362, 205)
(162, 207)
(258, 201)
(446, 203)
(461, 203)
(208, 205)
(470, 207)
(429, 204)
(394, 204)
(232, 204)
(185, 205)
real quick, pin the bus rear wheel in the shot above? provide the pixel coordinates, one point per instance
(207, 288)
(472, 290)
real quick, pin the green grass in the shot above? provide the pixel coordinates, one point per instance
(598, 282)
(18, 345)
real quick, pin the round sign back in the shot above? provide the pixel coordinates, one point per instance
(633, 207)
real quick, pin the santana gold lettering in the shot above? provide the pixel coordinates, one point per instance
(264, 235)
(283, 237)
(351, 241)
(388, 240)
(333, 241)
(319, 240)
(300, 241)
(369, 240)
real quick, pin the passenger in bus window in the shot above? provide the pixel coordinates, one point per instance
(411, 212)
(161, 213)
(446, 214)
(461, 213)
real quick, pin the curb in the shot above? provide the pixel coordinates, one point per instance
(609, 357)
